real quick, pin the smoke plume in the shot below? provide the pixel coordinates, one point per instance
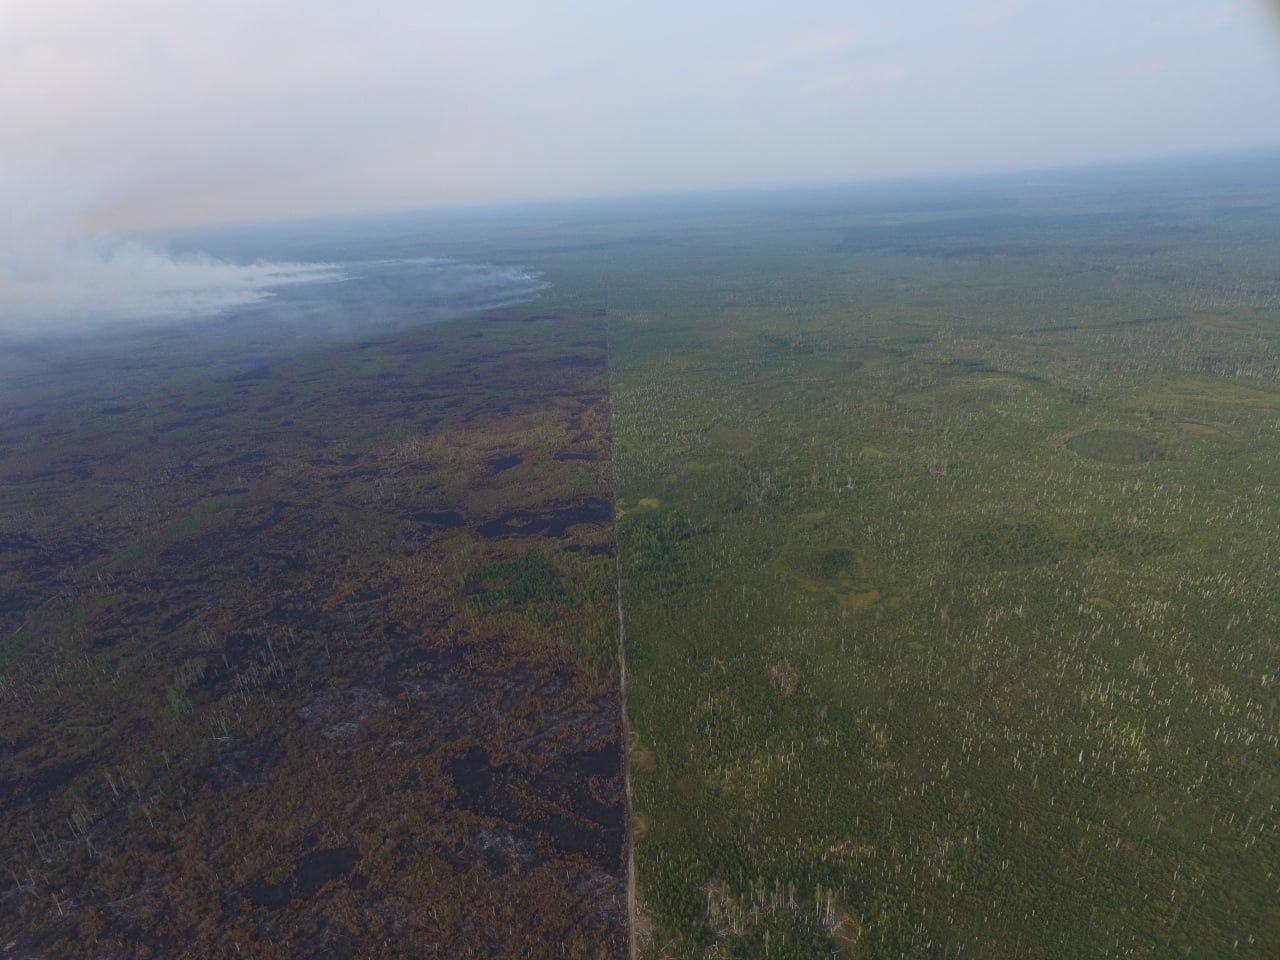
(58, 278)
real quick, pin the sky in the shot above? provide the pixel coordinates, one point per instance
(139, 114)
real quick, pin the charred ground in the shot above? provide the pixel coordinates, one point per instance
(314, 656)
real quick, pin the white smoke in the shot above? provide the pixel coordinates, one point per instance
(58, 278)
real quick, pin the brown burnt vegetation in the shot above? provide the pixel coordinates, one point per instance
(276, 677)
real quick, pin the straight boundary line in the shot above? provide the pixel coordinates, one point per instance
(622, 647)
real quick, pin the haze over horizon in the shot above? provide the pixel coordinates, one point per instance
(146, 114)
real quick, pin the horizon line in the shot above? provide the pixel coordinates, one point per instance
(940, 176)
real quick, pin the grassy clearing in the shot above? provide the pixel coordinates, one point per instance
(1122, 447)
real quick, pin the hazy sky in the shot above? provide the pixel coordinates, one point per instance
(125, 114)
(159, 112)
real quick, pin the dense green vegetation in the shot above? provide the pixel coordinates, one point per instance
(950, 574)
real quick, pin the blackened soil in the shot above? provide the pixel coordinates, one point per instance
(549, 523)
(251, 710)
(502, 464)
